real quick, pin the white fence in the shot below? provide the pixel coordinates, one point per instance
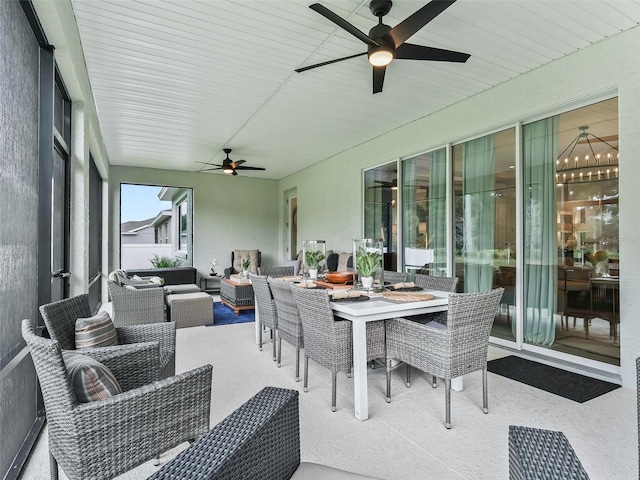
(139, 255)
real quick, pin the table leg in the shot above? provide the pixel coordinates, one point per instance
(360, 394)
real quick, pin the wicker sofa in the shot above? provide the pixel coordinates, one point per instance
(172, 276)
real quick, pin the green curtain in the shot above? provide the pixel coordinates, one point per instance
(479, 213)
(540, 243)
(437, 224)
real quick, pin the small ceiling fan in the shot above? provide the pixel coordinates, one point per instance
(386, 44)
(229, 166)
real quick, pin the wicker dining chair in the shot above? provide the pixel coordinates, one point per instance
(394, 277)
(431, 282)
(135, 306)
(104, 438)
(451, 350)
(267, 313)
(60, 319)
(329, 341)
(276, 272)
(289, 323)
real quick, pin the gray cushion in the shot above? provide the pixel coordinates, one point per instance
(96, 331)
(314, 471)
(90, 379)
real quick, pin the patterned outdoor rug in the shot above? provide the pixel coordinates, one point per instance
(572, 386)
(223, 315)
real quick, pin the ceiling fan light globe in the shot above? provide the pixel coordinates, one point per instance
(228, 170)
(380, 57)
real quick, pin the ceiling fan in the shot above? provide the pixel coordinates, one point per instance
(386, 43)
(229, 166)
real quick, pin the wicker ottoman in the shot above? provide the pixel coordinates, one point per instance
(237, 294)
(190, 309)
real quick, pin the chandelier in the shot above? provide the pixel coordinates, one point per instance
(594, 166)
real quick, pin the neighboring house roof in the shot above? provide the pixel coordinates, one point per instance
(133, 226)
(163, 217)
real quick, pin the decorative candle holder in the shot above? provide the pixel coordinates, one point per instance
(314, 257)
(368, 264)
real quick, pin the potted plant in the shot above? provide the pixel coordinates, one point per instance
(367, 263)
(164, 262)
(214, 262)
(245, 262)
(313, 258)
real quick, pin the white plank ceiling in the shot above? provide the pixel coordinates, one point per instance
(175, 81)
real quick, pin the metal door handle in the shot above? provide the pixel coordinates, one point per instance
(60, 274)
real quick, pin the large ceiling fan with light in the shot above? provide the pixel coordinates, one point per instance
(230, 166)
(385, 44)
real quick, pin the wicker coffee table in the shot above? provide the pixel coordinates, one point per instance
(237, 293)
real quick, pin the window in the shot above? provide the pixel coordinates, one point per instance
(183, 225)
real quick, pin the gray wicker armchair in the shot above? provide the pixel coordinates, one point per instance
(394, 277)
(276, 272)
(329, 341)
(104, 438)
(451, 350)
(289, 323)
(60, 319)
(260, 440)
(133, 306)
(267, 314)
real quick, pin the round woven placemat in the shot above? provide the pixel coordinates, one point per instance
(408, 296)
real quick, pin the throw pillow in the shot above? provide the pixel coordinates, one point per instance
(90, 379)
(96, 331)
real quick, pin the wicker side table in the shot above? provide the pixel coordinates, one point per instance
(236, 295)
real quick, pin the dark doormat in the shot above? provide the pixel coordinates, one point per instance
(223, 315)
(569, 385)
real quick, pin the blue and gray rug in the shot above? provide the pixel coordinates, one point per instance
(223, 315)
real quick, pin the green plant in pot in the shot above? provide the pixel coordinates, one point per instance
(313, 258)
(164, 262)
(367, 263)
(246, 263)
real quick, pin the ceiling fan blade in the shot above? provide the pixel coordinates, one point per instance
(234, 173)
(235, 164)
(249, 168)
(409, 51)
(299, 70)
(378, 78)
(342, 23)
(210, 169)
(410, 25)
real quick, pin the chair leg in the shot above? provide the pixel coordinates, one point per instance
(485, 392)
(334, 381)
(408, 375)
(388, 381)
(306, 374)
(297, 364)
(53, 466)
(434, 381)
(447, 401)
(156, 461)
(261, 333)
(279, 352)
(273, 342)
(349, 372)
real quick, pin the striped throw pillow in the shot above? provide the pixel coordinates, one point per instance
(96, 331)
(90, 379)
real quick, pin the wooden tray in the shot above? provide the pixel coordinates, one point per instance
(408, 296)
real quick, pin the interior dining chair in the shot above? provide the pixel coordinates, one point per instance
(60, 319)
(329, 341)
(447, 350)
(127, 426)
(289, 323)
(267, 313)
(276, 272)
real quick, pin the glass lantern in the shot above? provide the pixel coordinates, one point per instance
(314, 258)
(368, 264)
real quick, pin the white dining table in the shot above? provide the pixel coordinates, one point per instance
(377, 308)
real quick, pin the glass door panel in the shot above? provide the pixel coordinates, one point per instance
(485, 217)
(380, 210)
